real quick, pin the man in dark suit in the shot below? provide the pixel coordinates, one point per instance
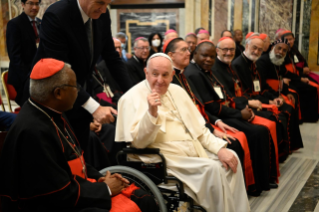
(78, 32)
(137, 63)
(22, 39)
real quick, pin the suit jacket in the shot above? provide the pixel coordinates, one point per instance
(21, 45)
(63, 37)
(135, 68)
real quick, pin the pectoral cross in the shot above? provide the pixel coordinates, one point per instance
(227, 103)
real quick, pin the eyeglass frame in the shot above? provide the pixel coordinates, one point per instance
(144, 48)
(183, 50)
(77, 86)
(225, 50)
(38, 4)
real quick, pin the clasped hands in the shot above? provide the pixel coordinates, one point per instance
(115, 182)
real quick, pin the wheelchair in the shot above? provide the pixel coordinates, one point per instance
(148, 175)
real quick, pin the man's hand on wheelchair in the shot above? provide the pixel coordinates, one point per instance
(228, 159)
(115, 182)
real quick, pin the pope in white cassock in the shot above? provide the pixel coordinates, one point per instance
(157, 114)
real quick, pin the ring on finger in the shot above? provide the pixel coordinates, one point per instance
(156, 100)
(224, 137)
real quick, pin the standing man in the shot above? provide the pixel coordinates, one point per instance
(136, 65)
(78, 32)
(202, 35)
(22, 40)
(238, 38)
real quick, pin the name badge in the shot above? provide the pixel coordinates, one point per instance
(219, 92)
(296, 59)
(256, 85)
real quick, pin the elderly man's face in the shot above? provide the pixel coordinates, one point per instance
(142, 50)
(69, 92)
(226, 51)
(205, 56)
(181, 55)
(117, 45)
(281, 50)
(94, 8)
(159, 74)
(191, 41)
(254, 49)
(202, 36)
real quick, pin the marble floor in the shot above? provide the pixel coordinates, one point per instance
(299, 181)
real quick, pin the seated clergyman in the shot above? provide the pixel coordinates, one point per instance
(157, 114)
(42, 166)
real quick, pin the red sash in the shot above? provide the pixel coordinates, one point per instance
(290, 67)
(249, 174)
(120, 202)
(272, 129)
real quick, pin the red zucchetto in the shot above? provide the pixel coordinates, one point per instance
(45, 68)
(224, 38)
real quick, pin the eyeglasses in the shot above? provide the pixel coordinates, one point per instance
(34, 4)
(183, 50)
(224, 50)
(143, 48)
(77, 86)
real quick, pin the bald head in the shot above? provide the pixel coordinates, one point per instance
(226, 50)
(170, 35)
(117, 45)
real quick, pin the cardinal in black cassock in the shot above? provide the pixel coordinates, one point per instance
(204, 82)
(272, 70)
(42, 166)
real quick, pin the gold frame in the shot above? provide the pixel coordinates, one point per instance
(127, 28)
(2, 105)
(4, 84)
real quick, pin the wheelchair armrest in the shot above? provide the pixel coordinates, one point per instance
(141, 151)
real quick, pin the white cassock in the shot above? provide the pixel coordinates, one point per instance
(189, 148)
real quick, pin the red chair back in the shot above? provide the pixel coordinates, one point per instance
(11, 91)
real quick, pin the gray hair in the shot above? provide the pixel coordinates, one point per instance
(120, 35)
(143, 39)
(159, 55)
(40, 89)
(248, 40)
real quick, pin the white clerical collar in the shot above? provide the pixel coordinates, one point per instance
(222, 61)
(85, 17)
(182, 70)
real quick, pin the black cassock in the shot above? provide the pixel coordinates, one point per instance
(180, 79)
(308, 95)
(248, 72)
(259, 151)
(135, 68)
(35, 174)
(268, 71)
(239, 49)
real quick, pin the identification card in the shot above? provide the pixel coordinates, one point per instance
(296, 59)
(219, 92)
(256, 85)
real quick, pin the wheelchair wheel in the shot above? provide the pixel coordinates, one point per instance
(140, 180)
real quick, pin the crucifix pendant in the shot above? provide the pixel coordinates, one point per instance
(227, 103)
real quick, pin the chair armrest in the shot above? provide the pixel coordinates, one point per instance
(141, 151)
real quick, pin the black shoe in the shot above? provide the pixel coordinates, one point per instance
(273, 185)
(254, 193)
